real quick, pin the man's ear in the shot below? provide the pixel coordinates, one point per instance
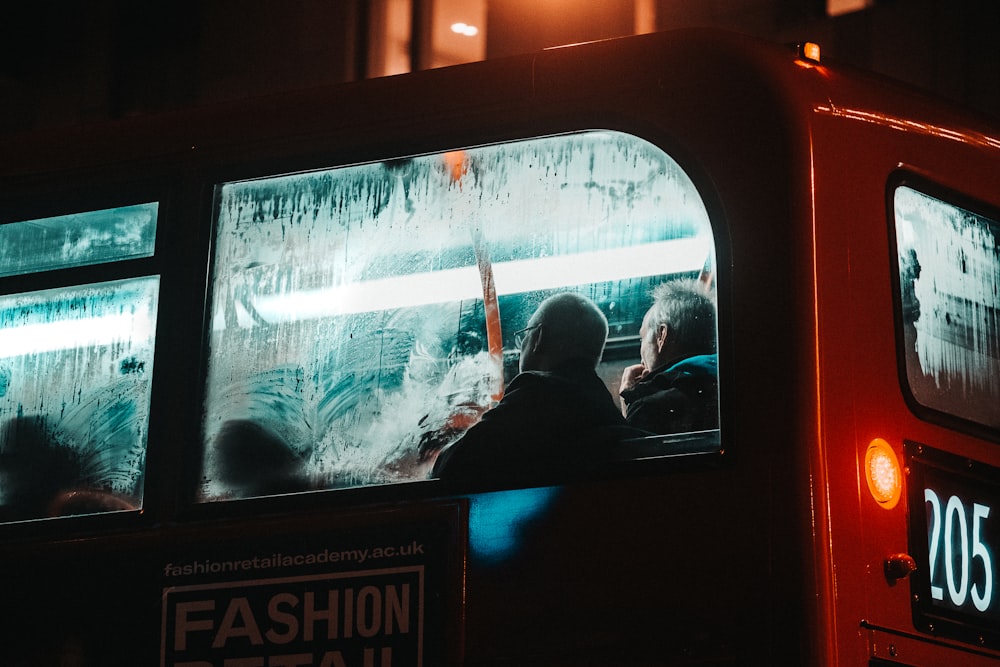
(661, 337)
(537, 345)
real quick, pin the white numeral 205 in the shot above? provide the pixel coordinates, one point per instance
(958, 566)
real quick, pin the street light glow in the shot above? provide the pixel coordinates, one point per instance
(464, 29)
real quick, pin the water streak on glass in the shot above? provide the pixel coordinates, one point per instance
(950, 283)
(349, 340)
(80, 239)
(75, 372)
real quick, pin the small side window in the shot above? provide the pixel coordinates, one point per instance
(80, 239)
(366, 318)
(76, 367)
(949, 278)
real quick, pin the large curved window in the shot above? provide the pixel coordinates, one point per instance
(364, 318)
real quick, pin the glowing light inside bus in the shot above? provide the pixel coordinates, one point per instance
(464, 283)
(73, 334)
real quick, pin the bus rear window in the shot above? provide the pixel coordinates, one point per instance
(949, 277)
(365, 318)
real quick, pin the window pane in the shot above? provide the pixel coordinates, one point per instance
(949, 275)
(75, 370)
(364, 317)
(77, 240)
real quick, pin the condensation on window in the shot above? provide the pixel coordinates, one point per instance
(351, 334)
(949, 267)
(75, 371)
(79, 239)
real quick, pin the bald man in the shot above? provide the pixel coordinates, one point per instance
(556, 416)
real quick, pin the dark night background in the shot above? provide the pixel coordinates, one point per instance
(73, 61)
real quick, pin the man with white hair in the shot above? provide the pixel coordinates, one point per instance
(675, 388)
(556, 417)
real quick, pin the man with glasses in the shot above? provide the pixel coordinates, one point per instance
(556, 417)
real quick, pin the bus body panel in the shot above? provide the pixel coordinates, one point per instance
(860, 146)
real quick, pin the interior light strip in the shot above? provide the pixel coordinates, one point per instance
(75, 334)
(514, 277)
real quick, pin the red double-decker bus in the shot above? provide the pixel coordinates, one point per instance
(675, 349)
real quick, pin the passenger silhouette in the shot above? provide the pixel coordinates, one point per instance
(675, 387)
(557, 417)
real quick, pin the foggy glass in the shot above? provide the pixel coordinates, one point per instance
(75, 371)
(80, 239)
(349, 338)
(949, 275)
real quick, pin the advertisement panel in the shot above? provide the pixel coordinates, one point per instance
(347, 594)
(361, 588)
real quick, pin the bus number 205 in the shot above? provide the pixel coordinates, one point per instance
(951, 543)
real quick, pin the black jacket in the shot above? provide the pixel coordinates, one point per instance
(681, 397)
(549, 425)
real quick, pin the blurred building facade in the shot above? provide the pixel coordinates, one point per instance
(74, 61)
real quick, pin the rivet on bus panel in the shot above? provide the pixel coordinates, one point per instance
(884, 475)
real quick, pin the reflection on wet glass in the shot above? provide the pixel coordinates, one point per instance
(78, 240)
(363, 317)
(75, 372)
(496, 520)
(950, 292)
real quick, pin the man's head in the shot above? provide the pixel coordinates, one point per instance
(565, 326)
(680, 322)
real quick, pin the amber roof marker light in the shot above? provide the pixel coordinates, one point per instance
(808, 51)
(883, 473)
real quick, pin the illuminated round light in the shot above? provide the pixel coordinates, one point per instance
(464, 29)
(885, 477)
